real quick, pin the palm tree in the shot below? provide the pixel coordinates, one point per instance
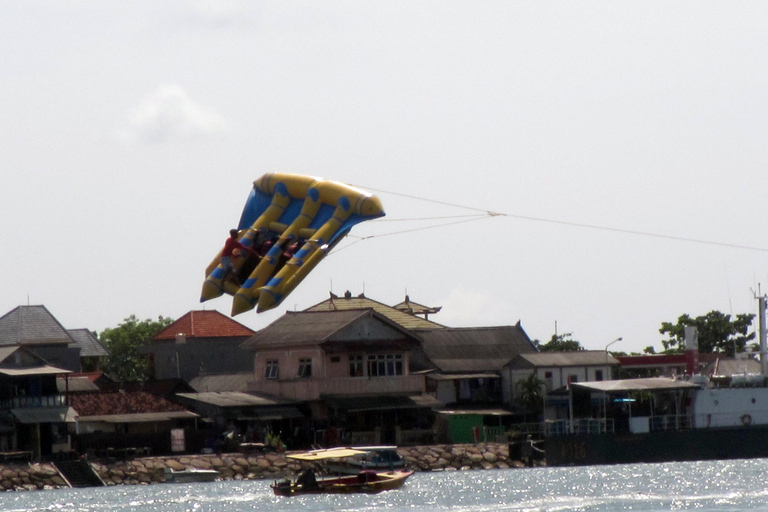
(531, 394)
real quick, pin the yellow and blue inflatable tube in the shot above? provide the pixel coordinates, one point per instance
(285, 209)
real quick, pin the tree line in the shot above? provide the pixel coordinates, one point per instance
(717, 333)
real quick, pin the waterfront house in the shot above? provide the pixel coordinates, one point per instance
(466, 363)
(124, 422)
(557, 371)
(465, 374)
(351, 367)
(36, 329)
(33, 413)
(199, 343)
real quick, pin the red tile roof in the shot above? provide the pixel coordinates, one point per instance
(100, 404)
(204, 324)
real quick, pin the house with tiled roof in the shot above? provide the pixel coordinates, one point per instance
(199, 343)
(351, 366)
(467, 362)
(35, 328)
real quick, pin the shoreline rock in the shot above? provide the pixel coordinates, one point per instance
(261, 466)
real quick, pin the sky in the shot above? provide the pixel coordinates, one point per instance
(622, 143)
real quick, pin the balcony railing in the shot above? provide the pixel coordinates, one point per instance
(311, 388)
(20, 402)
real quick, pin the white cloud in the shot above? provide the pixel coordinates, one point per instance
(170, 114)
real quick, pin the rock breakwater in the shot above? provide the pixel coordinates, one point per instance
(235, 466)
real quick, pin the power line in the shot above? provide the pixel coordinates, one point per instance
(489, 213)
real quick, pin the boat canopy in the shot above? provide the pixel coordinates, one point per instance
(333, 453)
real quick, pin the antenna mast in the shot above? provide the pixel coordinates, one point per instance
(761, 299)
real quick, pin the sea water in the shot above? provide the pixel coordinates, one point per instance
(733, 486)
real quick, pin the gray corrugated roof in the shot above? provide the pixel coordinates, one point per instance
(732, 367)
(222, 382)
(570, 358)
(310, 327)
(32, 325)
(89, 345)
(347, 302)
(37, 370)
(624, 385)
(31, 415)
(474, 349)
(361, 403)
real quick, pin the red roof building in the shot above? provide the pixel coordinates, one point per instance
(199, 343)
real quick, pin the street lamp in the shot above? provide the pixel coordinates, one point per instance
(606, 352)
(605, 393)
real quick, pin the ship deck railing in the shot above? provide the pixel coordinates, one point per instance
(599, 426)
(670, 422)
(579, 426)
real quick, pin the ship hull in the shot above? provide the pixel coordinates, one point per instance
(664, 446)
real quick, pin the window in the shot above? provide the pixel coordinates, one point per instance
(305, 368)
(598, 374)
(548, 381)
(272, 369)
(356, 365)
(384, 365)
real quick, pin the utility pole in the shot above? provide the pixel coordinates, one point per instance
(761, 299)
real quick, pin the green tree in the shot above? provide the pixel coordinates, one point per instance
(531, 394)
(559, 343)
(124, 363)
(717, 332)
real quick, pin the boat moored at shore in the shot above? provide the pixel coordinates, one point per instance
(665, 419)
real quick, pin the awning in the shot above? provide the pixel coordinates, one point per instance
(649, 384)
(362, 403)
(144, 417)
(32, 415)
(38, 370)
(232, 399)
(269, 414)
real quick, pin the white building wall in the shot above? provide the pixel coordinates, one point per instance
(554, 377)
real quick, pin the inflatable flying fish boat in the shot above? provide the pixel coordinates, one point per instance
(288, 225)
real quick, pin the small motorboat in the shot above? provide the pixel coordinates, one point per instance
(364, 481)
(190, 475)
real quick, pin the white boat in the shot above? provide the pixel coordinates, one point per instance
(376, 458)
(190, 475)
